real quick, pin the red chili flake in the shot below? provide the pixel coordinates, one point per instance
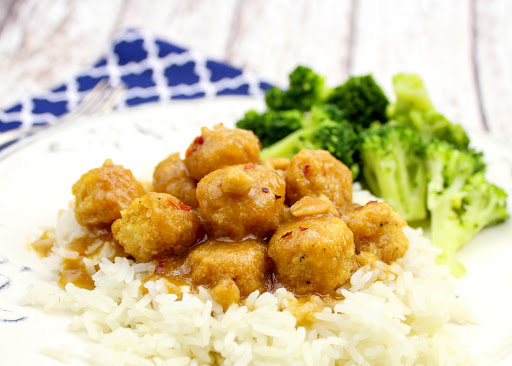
(374, 201)
(302, 228)
(306, 169)
(265, 189)
(259, 144)
(197, 141)
(285, 235)
(249, 166)
(185, 207)
(358, 208)
(82, 254)
(174, 204)
(159, 267)
(277, 197)
(339, 213)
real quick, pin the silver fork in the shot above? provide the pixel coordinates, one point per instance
(102, 98)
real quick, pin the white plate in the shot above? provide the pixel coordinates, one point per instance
(36, 180)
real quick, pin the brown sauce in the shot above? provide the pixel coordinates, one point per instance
(175, 272)
(89, 246)
(74, 271)
(94, 245)
(43, 246)
(304, 308)
(368, 258)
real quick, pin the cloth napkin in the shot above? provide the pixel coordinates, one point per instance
(151, 69)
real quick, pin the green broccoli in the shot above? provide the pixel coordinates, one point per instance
(322, 128)
(460, 200)
(361, 100)
(414, 108)
(271, 126)
(393, 168)
(306, 89)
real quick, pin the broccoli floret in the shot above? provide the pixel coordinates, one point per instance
(361, 100)
(460, 200)
(306, 89)
(414, 108)
(393, 167)
(320, 131)
(444, 130)
(271, 126)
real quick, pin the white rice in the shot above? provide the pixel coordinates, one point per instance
(391, 315)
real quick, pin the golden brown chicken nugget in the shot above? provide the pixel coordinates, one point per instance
(219, 264)
(315, 173)
(219, 148)
(157, 224)
(313, 254)
(377, 229)
(171, 176)
(102, 193)
(242, 200)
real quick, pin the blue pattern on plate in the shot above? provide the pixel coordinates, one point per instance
(7, 271)
(151, 69)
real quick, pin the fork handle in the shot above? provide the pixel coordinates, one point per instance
(10, 137)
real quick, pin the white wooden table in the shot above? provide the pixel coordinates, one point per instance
(461, 48)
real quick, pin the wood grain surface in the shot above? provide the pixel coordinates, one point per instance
(462, 48)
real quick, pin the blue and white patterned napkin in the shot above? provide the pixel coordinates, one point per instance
(151, 69)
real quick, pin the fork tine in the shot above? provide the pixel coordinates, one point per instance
(91, 97)
(110, 101)
(101, 98)
(105, 100)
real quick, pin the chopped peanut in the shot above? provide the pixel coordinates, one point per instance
(311, 206)
(236, 181)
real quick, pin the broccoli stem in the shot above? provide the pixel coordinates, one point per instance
(286, 147)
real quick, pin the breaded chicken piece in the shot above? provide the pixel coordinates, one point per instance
(171, 176)
(312, 254)
(315, 173)
(242, 200)
(102, 193)
(157, 224)
(219, 148)
(232, 270)
(377, 229)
